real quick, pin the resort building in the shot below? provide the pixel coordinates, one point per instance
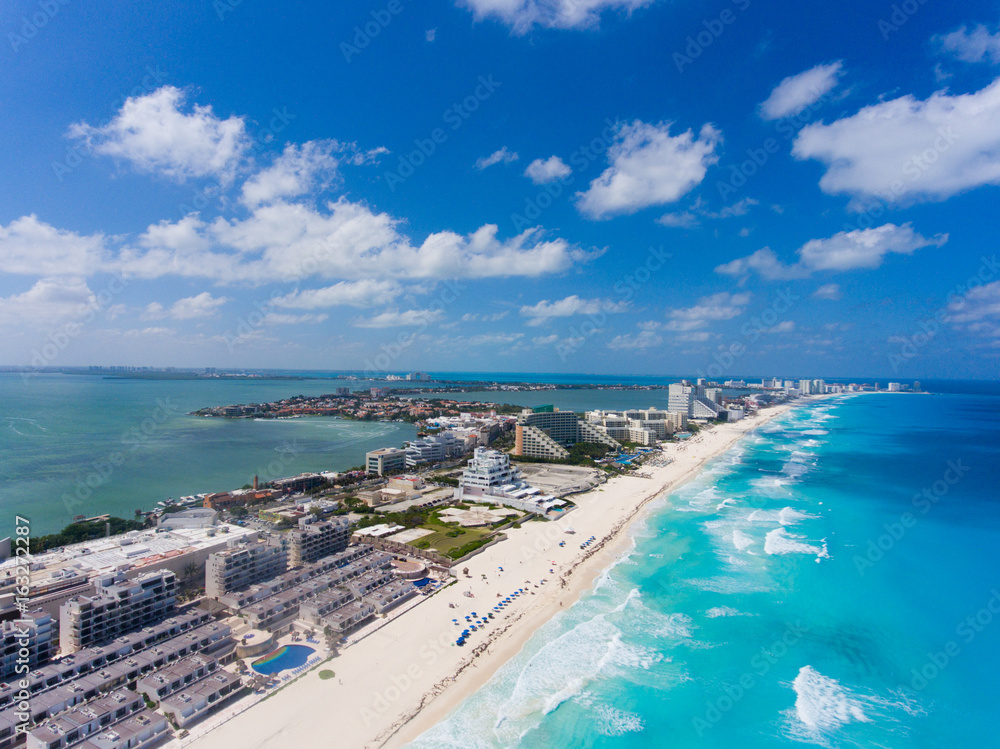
(75, 726)
(242, 565)
(315, 539)
(26, 642)
(434, 449)
(546, 432)
(386, 461)
(191, 703)
(119, 605)
(693, 401)
(490, 468)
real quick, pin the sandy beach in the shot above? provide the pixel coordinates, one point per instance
(403, 678)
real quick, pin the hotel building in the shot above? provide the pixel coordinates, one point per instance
(546, 432)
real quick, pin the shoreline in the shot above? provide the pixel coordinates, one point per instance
(407, 676)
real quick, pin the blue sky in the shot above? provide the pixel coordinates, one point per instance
(613, 186)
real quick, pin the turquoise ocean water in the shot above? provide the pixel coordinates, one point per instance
(830, 581)
(72, 445)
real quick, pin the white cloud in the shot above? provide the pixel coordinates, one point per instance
(503, 155)
(713, 308)
(904, 149)
(541, 313)
(190, 308)
(278, 318)
(972, 46)
(294, 173)
(289, 241)
(33, 248)
(368, 292)
(648, 167)
(683, 220)
(641, 340)
(541, 171)
(483, 317)
(844, 251)
(154, 134)
(797, 92)
(829, 291)
(430, 35)
(47, 302)
(493, 339)
(523, 15)
(978, 311)
(545, 340)
(782, 327)
(397, 319)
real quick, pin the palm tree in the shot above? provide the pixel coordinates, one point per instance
(190, 570)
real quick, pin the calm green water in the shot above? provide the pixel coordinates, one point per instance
(72, 445)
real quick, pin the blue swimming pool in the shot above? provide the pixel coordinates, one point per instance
(284, 658)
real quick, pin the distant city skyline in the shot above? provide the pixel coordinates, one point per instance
(615, 186)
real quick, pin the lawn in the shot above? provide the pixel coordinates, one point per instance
(444, 543)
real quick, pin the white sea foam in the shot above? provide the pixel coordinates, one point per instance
(779, 541)
(717, 611)
(741, 540)
(614, 722)
(823, 705)
(816, 432)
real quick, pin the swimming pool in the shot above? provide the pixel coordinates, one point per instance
(285, 657)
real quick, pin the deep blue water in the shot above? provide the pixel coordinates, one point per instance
(828, 582)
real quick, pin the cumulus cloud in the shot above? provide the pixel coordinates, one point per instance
(709, 309)
(829, 291)
(523, 15)
(294, 173)
(157, 133)
(978, 312)
(679, 220)
(431, 34)
(648, 166)
(49, 301)
(972, 46)
(640, 340)
(497, 157)
(367, 292)
(542, 171)
(844, 251)
(190, 308)
(797, 92)
(33, 248)
(544, 311)
(905, 150)
(397, 319)
(279, 318)
(290, 241)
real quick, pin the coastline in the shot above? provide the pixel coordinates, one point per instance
(408, 675)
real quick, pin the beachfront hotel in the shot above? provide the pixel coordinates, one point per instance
(242, 565)
(119, 605)
(641, 427)
(315, 539)
(546, 432)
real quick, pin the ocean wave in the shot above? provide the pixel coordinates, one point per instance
(822, 704)
(718, 611)
(779, 541)
(614, 722)
(741, 540)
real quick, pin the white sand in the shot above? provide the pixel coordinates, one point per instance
(401, 680)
